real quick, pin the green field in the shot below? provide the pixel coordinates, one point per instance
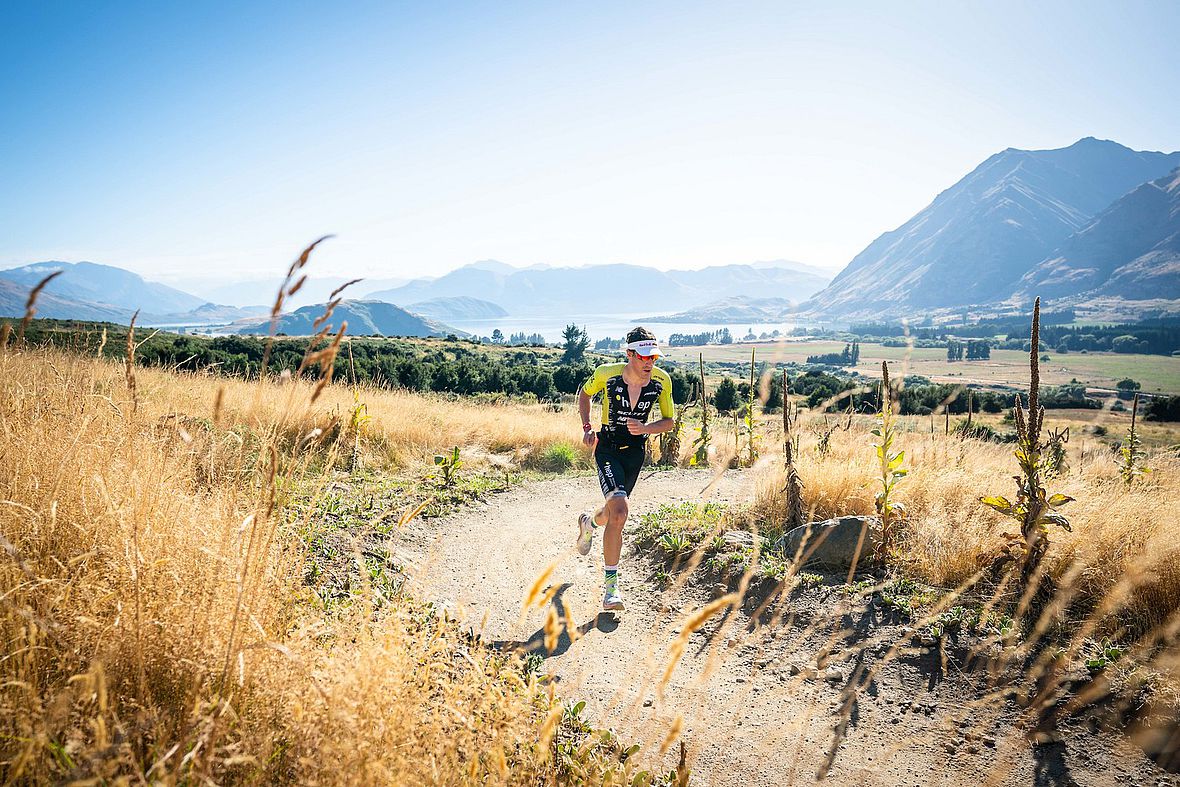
(1156, 373)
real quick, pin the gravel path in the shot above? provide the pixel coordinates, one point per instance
(746, 718)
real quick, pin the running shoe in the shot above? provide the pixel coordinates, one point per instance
(585, 533)
(611, 600)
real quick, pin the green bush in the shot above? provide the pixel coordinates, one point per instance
(557, 458)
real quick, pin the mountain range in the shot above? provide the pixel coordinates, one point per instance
(733, 310)
(253, 292)
(90, 282)
(458, 308)
(89, 291)
(1129, 250)
(1094, 225)
(1013, 214)
(607, 289)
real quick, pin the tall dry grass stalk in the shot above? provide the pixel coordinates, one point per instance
(31, 304)
(152, 609)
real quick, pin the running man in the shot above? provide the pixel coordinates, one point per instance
(630, 392)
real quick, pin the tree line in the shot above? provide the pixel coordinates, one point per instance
(463, 367)
(849, 356)
(1156, 337)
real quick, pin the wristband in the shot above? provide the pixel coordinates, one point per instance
(586, 427)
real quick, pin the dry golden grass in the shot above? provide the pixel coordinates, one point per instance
(156, 627)
(153, 619)
(1116, 574)
(1117, 529)
(404, 427)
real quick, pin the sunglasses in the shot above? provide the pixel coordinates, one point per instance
(645, 357)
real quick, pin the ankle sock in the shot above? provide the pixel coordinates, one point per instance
(612, 576)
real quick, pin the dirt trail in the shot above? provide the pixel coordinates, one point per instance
(746, 718)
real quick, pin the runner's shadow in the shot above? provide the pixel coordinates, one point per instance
(535, 644)
(1050, 769)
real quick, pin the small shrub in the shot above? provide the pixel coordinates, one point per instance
(557, 458)
(1102, 655)
(448, 465)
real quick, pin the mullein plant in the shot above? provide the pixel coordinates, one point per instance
(700, 447)
(892, 472)
(1055, 458)
(1033, 508)
(823, 432)
(793, 490)
(750, 420)
(358, 414)
(1132, 452)
(670, 440)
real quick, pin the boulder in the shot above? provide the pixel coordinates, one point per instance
(738, 538)
(832, 542)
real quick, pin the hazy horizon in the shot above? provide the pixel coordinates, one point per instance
(216, 140)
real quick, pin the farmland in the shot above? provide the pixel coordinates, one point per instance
(1156, 373)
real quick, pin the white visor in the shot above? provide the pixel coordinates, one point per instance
(645, 347)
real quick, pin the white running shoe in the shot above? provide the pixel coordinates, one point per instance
(612, 601)
(585, 533)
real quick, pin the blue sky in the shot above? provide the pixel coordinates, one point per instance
(214, 140)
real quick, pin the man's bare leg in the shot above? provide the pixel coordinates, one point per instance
(614, 514)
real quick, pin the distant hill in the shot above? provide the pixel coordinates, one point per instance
(13, 298)
(458, 308)
(87, 291)
(801, 267)
(733, 311)
(255, 292)
(976, 241)
(206, 314)
(103, 285)
(1131, 250)
(363, 317)
(541, 291)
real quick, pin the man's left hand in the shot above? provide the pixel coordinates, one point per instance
(635, 426)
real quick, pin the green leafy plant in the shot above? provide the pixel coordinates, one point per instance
(448, 465)
(809, 580)
(674, 543)
(1131, 451)
(1106, 653)
(890, 463)
(1033, 508)
(997, 623)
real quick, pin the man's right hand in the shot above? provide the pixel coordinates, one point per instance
(589, 438)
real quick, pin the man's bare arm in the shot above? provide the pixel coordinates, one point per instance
(635, 426)
(588, 436)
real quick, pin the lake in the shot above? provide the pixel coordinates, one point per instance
(601, 326)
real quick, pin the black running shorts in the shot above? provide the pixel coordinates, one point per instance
(618, 466)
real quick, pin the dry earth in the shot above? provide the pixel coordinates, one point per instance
(918, 720)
